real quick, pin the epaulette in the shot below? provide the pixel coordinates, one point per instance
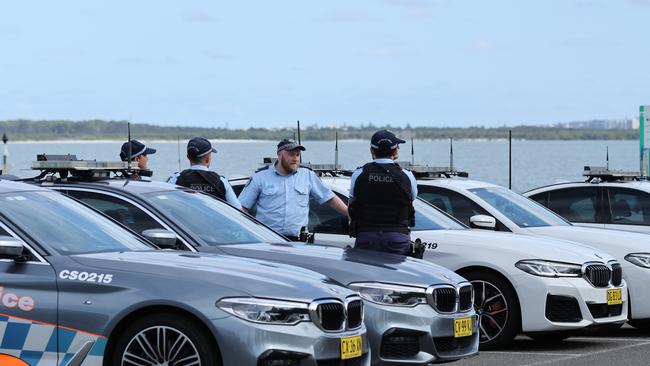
(262, 168)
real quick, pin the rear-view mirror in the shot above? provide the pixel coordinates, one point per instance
(483, 222)
(165, 239)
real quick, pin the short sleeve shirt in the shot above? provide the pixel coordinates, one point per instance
(283, 201)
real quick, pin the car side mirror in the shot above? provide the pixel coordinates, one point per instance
(11, 247)
(165, 239)
(483, 222)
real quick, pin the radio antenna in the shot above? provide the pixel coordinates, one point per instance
(336, 151)
(509, 159)
(607, 156)
(412, 152)
(128, 159)
(451, 153)
(299, 139)
(178, 139)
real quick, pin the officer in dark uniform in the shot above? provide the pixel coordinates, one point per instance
(199, 177)
(381, 199)
(139, 154)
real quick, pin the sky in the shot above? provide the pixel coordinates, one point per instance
(336, 62)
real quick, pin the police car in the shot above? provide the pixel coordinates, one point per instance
(608, 199)
(416, 312)
(77, 289)
(492, 207)
(543, 287)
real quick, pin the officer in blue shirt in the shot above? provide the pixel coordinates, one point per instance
(140, 155)
(199, 177)
(381, 199)
(282, 190)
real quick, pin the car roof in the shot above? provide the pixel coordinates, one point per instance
(640, 185)
(7, 186)
(456, 183)
(129, 185)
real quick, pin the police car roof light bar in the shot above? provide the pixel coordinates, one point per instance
(604, 174)
(426, 171)
(69, 165)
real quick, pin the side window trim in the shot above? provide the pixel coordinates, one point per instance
(136, 205)
(608, 206)
(40, 259)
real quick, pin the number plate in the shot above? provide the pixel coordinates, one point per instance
(614, 297)
(350, 347)
(462, 327)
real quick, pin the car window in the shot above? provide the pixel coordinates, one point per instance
(453, 203)
(428, 218)
(629, 206)
(324, 219)
(64, 225)
(577, 204)
(541, 198)
(210, 220)
(120, 210)
(519, 209)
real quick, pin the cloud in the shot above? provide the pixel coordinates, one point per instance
(199, 17)
(583, 42)
(216, 55)
(483, 44)
(349, 18)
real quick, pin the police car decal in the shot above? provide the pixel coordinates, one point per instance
(86, 276)
(11, 300)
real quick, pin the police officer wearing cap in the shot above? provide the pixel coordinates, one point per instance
(199, 177)
(282, 190)
(381, 199)
(139, 153)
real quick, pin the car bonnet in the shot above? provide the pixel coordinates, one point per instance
(250, 276)
(349, 265)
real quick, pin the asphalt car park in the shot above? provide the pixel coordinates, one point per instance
(624, 346)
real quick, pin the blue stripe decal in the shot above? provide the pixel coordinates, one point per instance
(18, 332)
(65, 339)
(99, 347)
(31, 357)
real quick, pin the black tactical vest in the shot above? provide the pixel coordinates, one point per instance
(202, 180)
(382, 200)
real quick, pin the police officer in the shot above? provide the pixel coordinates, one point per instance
(381, 199)
(281, 192)
(139, 153)
(199, 177)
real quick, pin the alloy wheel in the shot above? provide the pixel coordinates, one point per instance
(492, 308)
(161, 346)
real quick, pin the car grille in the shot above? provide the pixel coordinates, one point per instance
(444, 299)
(605, 311)
(399, 343)
(355, 314)
(329, 315)
(452, 344)
(465, 295)
(617, 274)
(598, 275)
(563, 309)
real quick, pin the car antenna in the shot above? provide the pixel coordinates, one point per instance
(607, 156)
(509, 159)
(412, 152)
(128, 158)
(299, 139)
(336, 151)
(178, 140)
(451, 153)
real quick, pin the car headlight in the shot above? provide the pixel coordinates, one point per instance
(387, 294)
(549, 268)
(639, 259)
(266, 310)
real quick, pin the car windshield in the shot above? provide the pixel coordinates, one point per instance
(65, 225)
(521, 210)
(429, 218)
(210, 220)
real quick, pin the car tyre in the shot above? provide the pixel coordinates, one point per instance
(164, 338)
(643, 325)
(497, 305)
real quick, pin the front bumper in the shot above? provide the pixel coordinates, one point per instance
(416, 335)
(561, 304)
(246, 343)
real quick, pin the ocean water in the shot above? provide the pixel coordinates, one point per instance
(534, 163)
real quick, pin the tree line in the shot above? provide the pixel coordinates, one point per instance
(18, 130)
